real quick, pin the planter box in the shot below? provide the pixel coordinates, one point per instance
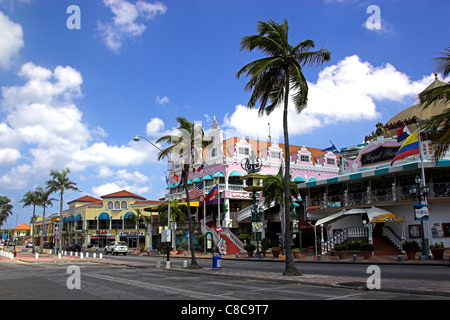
(438, 254)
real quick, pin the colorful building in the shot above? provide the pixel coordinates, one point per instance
(373, 198)
(92, 222)
(230, 211)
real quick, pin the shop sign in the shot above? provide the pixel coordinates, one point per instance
(104, 233)
(380, 154)
(421, 212)
(131, 233)
(388, 217)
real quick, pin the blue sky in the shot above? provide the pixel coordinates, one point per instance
(76, 97)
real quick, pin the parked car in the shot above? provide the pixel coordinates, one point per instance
(116, 247)
(74, 247)
(29, 245)
(48, 245)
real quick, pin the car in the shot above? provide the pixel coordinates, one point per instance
(29, 245)
(116, 247)
(74, 247)
(48, 245)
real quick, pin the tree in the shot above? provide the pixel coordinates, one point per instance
(60, 182)
(44, 201)
(31, 198)
(438, 126)
(272, 79)
(273, 192)
(5, 209)
(177, 212)
(188, 146)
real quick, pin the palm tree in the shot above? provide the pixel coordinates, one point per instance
(44, 201)
(188, 144)
(438, 126)
(273, 192)
(31, 198)
(5, 209)
(177, 212)
(60, 182)
(272, 79)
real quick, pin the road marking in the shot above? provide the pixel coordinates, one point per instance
(161, 288)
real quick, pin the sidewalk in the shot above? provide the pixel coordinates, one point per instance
(417, 286)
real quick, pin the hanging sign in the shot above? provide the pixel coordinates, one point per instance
(421, 212)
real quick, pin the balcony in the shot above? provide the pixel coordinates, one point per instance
(370, 197)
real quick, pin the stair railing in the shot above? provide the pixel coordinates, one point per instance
(393, 237)
(353, 232)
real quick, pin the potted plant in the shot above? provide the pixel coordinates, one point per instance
(411, 247)
(367, 249)
(276, 251)
(341, 248)
(437, 250)
(250, 248)
(296, 252)
(180, 251)
(265, 244)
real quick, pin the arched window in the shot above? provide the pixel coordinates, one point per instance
(124, 204)
(110, 205)
(117, 205)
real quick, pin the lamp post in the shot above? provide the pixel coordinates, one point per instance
(136, 138)
(253, 165)
(418, 190)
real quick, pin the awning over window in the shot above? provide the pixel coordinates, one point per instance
(128, 215)
(235, 173)
(103, 216)
(77, 217)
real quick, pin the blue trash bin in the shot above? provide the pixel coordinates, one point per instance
(217, 262)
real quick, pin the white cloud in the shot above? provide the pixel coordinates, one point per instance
(9, 156)
(44, 129)
(346, 91)
(111, 187)
(125, 23)
(162, 100)
(11, 40)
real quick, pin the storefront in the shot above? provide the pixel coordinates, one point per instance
(132, 238)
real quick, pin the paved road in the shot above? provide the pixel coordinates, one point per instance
(388, 271)
(111, 282)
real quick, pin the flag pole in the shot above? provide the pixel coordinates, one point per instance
(424, 183)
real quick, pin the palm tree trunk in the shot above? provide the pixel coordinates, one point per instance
(194, 263)
(291, 269)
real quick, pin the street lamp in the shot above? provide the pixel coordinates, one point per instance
(136, 138)
(253, 165)
(416, 190)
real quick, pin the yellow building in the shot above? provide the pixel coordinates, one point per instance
(92, 222)
(45, 230)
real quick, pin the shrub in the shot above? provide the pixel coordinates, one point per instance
(354, 245)
(437, 246)
(365, 246)
(249, 247)
(244, 237)
(341, 247)
(265, 243)
(411, 246)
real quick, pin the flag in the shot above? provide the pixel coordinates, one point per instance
(214, 190)
(200, 168)
(196, 192)
(409, 147)
(332, 149)
(176, 177)
(403, 133)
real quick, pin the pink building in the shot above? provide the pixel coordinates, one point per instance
(222, 163)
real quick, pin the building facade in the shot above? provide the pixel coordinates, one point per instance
(230, 211)
(374, 199)
(92, 222)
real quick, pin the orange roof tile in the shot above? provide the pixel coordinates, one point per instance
(22, 226)
(122, 194)
(85, 199)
